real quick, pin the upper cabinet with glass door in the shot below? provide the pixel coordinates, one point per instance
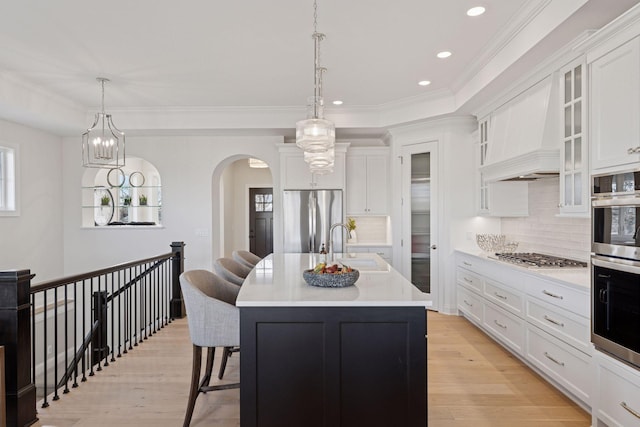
(497, 199)
(574, 174)
(483, 186)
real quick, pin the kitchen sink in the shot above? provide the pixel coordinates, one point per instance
(364, 264)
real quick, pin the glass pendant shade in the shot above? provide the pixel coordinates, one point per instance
(315, 135)
(103, 144)
(321, 162)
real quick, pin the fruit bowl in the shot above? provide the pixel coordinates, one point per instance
(331, 280)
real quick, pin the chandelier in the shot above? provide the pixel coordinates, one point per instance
(103, 143)
(316, 136)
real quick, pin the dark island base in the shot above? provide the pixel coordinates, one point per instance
(333, 366)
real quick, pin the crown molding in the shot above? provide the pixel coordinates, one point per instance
(558, 59)
(539, 19)
(520, 21)
(616, 32)
(30, 105)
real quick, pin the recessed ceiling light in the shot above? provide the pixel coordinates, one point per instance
(337, 102)
(476, 11)
(444, 54)
(424, 83)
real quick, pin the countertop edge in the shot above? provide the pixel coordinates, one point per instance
(545, 274)
(250, 304)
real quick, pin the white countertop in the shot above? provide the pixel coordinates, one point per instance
(572, 276)
(277, 282)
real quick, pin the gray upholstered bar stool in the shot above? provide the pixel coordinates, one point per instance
(246, 258)
(231, 270)
(214, 321)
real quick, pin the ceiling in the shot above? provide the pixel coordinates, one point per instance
(203, 54)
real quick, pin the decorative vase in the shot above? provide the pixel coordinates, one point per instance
(353, 237)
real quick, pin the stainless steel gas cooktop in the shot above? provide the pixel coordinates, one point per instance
(535, 260)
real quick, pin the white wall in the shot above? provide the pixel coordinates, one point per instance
(543, 231)
(189, 166)
(33, 240)
(227, 209)
(244, 178)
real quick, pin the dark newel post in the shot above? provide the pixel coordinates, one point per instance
(99, 338)
(15, 336)
(177, 305)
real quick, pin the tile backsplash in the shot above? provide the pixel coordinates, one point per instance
(543, 231)
(372, 229)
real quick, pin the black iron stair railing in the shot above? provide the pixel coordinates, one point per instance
(97, 317)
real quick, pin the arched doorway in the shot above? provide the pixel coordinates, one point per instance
(232, 182)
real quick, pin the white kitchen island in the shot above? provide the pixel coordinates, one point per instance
(350, 356)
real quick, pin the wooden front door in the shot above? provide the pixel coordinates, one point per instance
(261, 221)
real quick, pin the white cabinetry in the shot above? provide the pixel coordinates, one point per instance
(562, 362)
(509, 329)
(295, 174)
(500, 199)
(367, 173)
(615, 108)
(617, 398)
(574, 172)
(544, 322)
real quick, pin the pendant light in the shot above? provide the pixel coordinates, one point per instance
(103, 143)
(316, 135)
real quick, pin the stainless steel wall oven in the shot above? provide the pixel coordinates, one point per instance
(615, 260)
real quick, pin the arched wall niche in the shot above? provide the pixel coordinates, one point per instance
(126, 196)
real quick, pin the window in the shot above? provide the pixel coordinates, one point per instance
(264, 202)
(7, 180)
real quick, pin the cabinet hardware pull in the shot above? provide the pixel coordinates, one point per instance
(553, 360)
(630, 150)
(546, 292)
(628, 409)
(467, 264)
(468, 303)
(555, 322)
(499, 324)
(500, 296)
(633, 150)
(466, 279)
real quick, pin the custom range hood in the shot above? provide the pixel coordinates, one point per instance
(523, 136)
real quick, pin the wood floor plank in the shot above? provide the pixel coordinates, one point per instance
(472, 382)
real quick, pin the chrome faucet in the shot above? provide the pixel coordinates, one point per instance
(338, 224)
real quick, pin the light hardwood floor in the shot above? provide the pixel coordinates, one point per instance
(472, 382)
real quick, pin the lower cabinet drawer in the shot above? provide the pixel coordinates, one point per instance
(505, 326)
(565, 325)
(470, 304)
(469, 279)
(506, 298)
(560, 361)
(618, 396)
(562, 296)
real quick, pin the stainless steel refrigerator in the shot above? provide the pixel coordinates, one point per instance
(308, 216)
